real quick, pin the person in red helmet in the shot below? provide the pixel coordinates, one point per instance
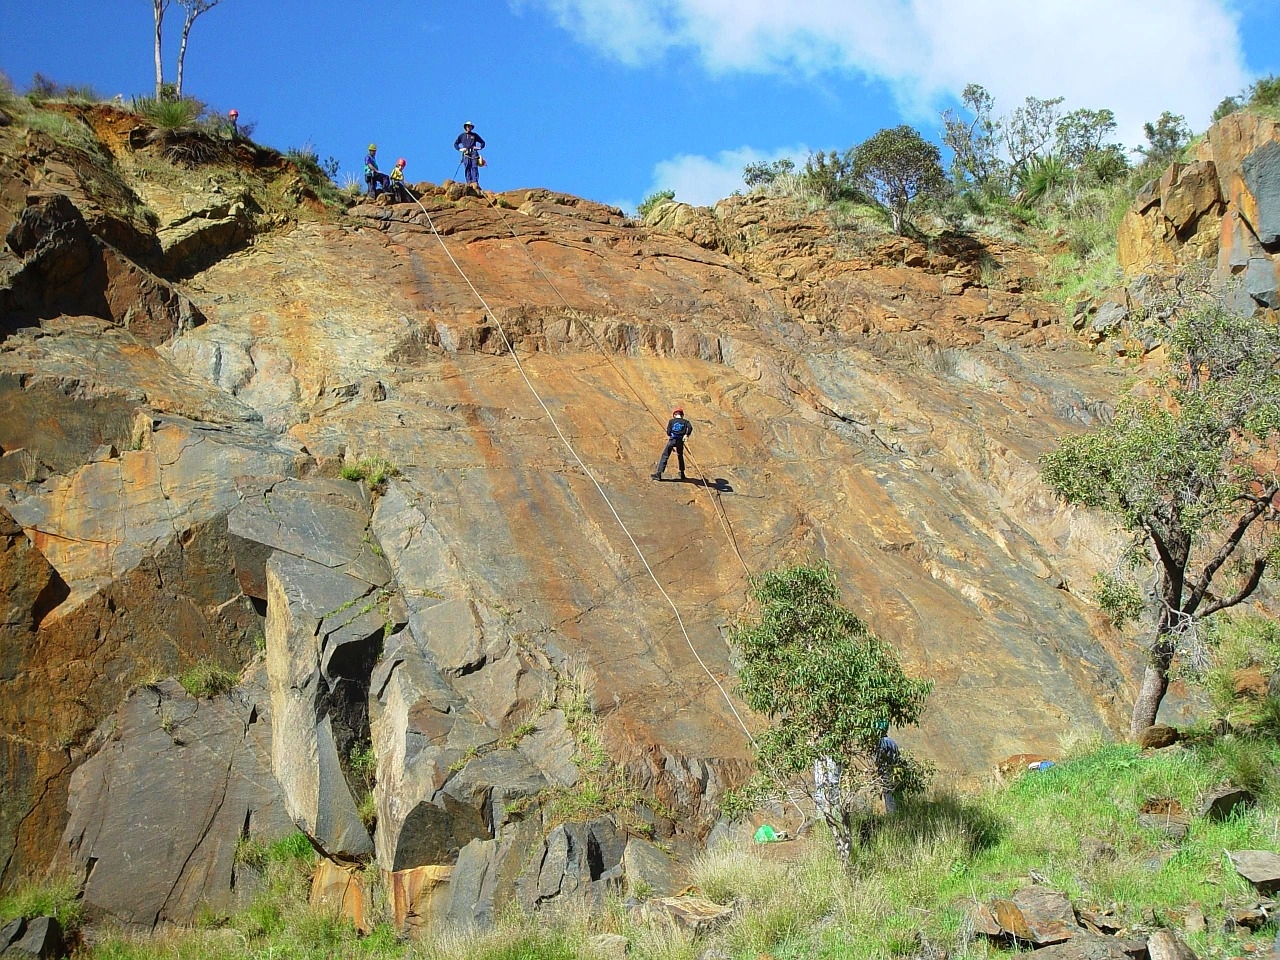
(399, 192)
(678, 431)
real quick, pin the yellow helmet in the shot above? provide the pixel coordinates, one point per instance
(373, 148)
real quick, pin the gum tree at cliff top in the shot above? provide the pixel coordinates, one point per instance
(1189, 464)
(896, 166)
(827, 684)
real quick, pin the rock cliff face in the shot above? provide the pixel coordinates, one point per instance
(1223, 208)
(178, 410)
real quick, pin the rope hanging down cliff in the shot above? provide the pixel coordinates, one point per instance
(585, 469)
(717, 505)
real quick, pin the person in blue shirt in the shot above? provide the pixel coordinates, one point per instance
(470, 144)
(678, 431)
(372, 176)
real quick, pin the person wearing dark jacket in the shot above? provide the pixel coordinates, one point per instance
(678, 431)
(470, 144)
(376, 179)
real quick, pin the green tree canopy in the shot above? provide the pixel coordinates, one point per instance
(1189, 465)
(825, 681)
(895, 167)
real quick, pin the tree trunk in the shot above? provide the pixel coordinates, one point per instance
(157, 7)
(1155, 682)
(182, 51)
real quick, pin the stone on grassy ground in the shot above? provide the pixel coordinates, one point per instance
(1166, 815)
(340, 891)
(1157, 736)
(1033, 915)
(37, 939)
(1166, 945)
(649, 871)
(694, 915)
(1086, 946)
(607, 946)
(1223, 802)
(1259, 867)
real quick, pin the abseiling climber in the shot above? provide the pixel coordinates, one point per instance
(678, 431)
(470, 143)
(372, 175)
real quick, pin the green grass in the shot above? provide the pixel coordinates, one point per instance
(58, 897)
(376, 470)
(167, 114)
(913, 877)
(206, 679)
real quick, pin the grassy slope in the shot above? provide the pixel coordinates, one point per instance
(915, 877)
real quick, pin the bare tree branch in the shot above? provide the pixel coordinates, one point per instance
(194, 8)
(1227, 549)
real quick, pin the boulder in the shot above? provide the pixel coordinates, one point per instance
(576, 859)
(157, 811)
(649, 871)
(1158, 736)
(1262, 281)
(418, 895)
(1261, 172)
(607, 946)
(1221, 803)
(1189, 194)
(1034, 915)
(337, 889)
(696, 916)
(36, 939)
(1087, 946)
(307, 705)
(1259, 867)
(1166, 945)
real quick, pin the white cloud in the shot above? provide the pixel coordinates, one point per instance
(1138, 57)
(704, 180)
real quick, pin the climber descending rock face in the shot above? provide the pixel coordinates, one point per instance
(679, 430)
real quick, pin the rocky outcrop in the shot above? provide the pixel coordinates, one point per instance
(867, 399)
(1224, 207)
(174, 786)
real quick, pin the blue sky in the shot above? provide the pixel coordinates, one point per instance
(612, 99)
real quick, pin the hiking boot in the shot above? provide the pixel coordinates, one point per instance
(655, 476)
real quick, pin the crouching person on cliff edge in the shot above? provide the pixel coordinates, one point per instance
(678, 431)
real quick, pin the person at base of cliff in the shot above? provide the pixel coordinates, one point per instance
(678, 431)
(470, 143)
(399, 192)
(886, 760)
(372, 175)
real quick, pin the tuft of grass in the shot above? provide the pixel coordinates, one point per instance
(252, 852)
(206, 680)
(168, 114)
(58, 897)
(295, 848)
(375, 470)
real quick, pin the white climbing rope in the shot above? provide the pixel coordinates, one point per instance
(585, 469)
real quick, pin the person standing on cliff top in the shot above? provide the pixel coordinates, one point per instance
(678, 431)
(372, 176)
(470, 144)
